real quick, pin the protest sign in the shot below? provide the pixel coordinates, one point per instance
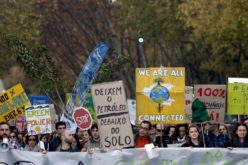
(13, 103)
(132, 110)
(165, 156)
(214, 98)
(237, 100)
(188, 100)
(112, 115)
(38, 100)
(19, 123)
(82, 118)
(85, 80)
(160, 95)
(38, 119)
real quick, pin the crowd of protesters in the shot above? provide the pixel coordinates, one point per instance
(181, 135)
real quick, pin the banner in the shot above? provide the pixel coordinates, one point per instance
(13, 103)
(85, 79)
(165, 156)
(188, 100)
(38, 119)
(112, 115)
(160, 95)
(237, 100)
(214, 98)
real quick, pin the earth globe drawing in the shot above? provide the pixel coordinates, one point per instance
(159, 93)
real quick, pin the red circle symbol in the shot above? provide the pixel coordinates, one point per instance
(82, 118)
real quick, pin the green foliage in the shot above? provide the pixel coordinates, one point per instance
(220, 26)
(37, 64)
(154, 20)
(107, 69)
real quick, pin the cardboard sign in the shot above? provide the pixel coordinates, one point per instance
(38, 119)
(237, 101)
(13, 103)
(214, 98)
(82, 118)
(160, 95)
(112, 115)
(188, 100)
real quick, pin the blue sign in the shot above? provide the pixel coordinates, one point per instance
(37, 100)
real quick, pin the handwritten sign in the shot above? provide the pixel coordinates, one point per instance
(237, 100)
(160, 95)
(214, 98)
(112, 115)
(13, 103)
(38, 119)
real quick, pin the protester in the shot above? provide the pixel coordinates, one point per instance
(153, 132)
(60, 127)
(142, 138)
(75, 143)
(44, 144)
(206, 127)
(246, 122)
(83, 136)
(161, 139)
(94, 141)
(193, 138)
(215, 138)
(85, 139)
(224, 129)
(240, 137)
(13, 140)
(4, 130)
(180, 134)
(32, 144)
(170, 134)
(66, 142)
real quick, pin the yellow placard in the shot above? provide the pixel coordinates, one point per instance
(237, 100)
(160, 95)
(13, 103)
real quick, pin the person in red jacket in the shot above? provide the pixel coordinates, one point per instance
(142, 138)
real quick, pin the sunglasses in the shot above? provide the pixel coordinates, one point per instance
(31, 140)
(12, 136)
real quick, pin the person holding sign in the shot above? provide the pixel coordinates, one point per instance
(193, 139)
(240, 138)
(142, 138)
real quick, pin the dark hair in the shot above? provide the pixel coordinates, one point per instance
(36, 139)
(59, 123)
(94, 126)
(14, 133)
(42, 135)
(179, 126)
(77, 140)
(4, 123)
(235, 136)
(147, 122)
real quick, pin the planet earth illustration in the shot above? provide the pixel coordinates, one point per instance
(159, 94)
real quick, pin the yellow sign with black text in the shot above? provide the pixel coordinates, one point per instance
(13, 103)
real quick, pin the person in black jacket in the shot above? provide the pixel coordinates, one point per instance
(193, 139)
(240, 138)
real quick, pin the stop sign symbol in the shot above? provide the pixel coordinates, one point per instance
(82, 118)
